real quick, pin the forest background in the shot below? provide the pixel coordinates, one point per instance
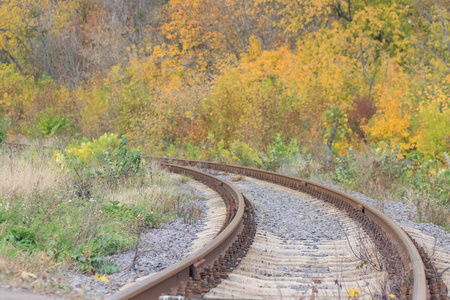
(352, 90)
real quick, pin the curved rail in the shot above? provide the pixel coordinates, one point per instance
(204, 269)
(402, 257)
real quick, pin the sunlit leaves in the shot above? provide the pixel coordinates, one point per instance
(393, 118)
(434, 137)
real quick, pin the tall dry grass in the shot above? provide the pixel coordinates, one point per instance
(26, 172)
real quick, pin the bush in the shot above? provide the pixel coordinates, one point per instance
(107, 158)
(193, 152)
(3, 129)
(49, 124)
(278, 152)
(344, 174)
(245, 155)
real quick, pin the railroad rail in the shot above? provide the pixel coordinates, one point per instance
(404, 260)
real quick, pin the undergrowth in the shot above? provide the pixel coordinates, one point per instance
(72, 208)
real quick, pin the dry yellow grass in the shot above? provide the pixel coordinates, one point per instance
(20, 175)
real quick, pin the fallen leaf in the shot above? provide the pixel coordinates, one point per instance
(103, 278)
(354, 292)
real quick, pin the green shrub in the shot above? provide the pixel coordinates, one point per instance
(344, 173)
(193, 152)
(217, 150)
(49, 124)
(106, 158)
(95, 264)
(245, 155)
(3, 129)
(22, 238)
(278, 152)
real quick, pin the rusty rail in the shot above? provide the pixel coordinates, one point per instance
(402, 258)
(203, 270)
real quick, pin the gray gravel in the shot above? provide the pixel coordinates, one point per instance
(273, 214)
(160, 248)
(404, 214)
(288, 216)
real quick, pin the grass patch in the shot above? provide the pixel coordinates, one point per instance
(67, 215)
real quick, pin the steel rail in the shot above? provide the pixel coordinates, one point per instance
(411, 259)
(202, 270)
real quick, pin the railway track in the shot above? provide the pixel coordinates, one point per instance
(301, 250)
(403, 260)
(409, 267)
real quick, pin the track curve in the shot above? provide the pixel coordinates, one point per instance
(402, 256)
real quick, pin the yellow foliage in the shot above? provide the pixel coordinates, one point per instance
(236, 70)
(434, 134)
(393, 119)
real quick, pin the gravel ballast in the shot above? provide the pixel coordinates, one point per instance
(289, 216)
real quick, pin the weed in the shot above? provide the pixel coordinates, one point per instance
(184, 179)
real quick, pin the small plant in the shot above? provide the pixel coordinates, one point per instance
(184, 179)
(95, 264)
(343, 173)
(245, 155)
